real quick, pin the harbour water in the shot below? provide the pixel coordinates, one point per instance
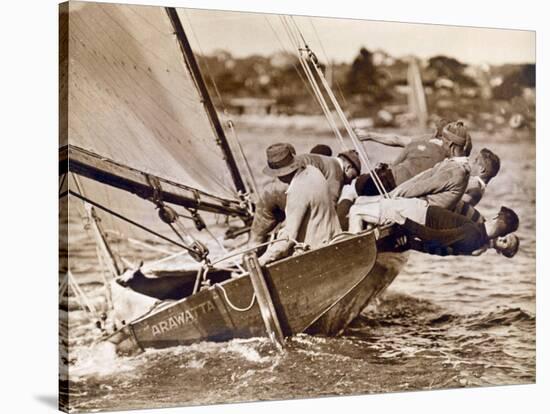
(443, 323)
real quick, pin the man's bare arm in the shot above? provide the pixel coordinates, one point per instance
(392, 140)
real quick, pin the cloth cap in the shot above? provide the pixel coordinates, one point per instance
(454, 138)
(353, 157)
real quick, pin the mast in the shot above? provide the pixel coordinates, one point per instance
(194, 69)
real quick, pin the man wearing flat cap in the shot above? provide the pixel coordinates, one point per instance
(451, 139)
(310, 212)
(338, 171)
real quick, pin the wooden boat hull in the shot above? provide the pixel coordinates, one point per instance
(339, 316)
(303, 289)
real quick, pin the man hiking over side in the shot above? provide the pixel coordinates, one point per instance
(445, 184)
(449, 140)
(442, 186)
(453, 140)
(436, 230)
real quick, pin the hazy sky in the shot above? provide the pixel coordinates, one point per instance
(243, 34)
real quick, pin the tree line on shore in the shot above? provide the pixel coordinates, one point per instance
(375, 81)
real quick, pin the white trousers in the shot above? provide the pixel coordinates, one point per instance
(378, 210)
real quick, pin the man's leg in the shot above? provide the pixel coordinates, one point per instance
(364, 212)
(397, 210)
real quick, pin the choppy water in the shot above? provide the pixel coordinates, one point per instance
(444, 322)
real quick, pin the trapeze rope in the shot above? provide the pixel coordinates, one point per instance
(311, 78)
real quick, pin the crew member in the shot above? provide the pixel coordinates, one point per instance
(478, 183)
(338, 171)
(445, 184)
(417, 155)
(436, 230)
(321, 149)
(442, 186)
(310, 212)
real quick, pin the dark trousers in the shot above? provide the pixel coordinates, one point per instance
(365, 185)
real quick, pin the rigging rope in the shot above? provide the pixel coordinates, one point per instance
(62, 182)
(289, 51)
(130, 221)
(236, 139)
(351, 133)
(356, 143)
(104, 270)
(335, 79)
(224, 250)
(252, 183)
(81, 297)
(104, 254)
(63, 285)
(311, 78)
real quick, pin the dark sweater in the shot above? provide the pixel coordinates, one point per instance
(446, 233)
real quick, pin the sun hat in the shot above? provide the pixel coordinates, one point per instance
(280, 160)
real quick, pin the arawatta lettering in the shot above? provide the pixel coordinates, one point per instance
(182, 318)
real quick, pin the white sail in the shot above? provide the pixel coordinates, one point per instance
(131, 98)
(126, 95)
(417, 97)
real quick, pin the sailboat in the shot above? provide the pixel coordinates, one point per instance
(141, 145)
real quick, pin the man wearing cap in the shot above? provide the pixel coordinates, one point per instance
(441, 186)
(451, 140)
(310, 213)
(321, 149)
(338, 171)
(270, 209)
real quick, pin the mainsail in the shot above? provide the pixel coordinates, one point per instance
(133, 102)
(133, 118)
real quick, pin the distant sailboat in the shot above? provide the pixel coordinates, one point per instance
(417, 96)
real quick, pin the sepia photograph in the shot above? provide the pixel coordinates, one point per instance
(259, 207)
